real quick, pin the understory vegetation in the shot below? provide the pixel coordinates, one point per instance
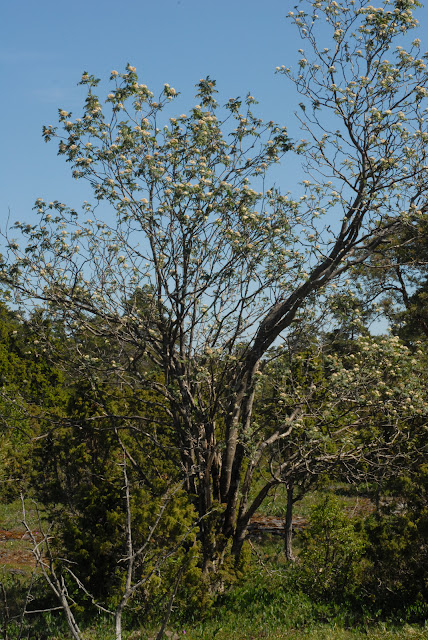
(74, 493)
(344, 583)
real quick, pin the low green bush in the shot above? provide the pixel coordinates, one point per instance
(330, 566)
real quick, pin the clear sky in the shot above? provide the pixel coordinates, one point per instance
(46, 45)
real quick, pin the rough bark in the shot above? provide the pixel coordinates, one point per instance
(288, 525)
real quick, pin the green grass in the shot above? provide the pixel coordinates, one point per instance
(322, 632)
(255, 632)
(276, 502)
(11, 515)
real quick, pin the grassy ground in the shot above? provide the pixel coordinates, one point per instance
(239, 628)
(276, 502)
(15, 543)
(324, 632)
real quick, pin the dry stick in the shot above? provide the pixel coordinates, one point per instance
(44, 610)
(170, 603)
(127, 592)
(56, 583)
(25, 611)
(86, 592)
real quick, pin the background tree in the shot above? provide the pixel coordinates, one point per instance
(397, 280)
(78, 476)
(397, 551)
(32, 398)
(354, 415)
(225, 264)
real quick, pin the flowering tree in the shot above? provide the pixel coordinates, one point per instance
(199, 269)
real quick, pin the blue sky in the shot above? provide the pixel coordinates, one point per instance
(46, 45)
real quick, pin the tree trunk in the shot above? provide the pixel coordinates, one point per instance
(118, 624)
(238, 539)
(288, 525)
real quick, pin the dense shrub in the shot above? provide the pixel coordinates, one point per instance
(330, 565)
(398, 550)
